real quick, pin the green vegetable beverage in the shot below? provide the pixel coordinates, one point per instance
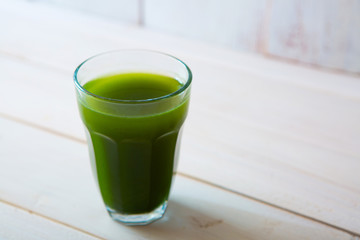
(133, 104)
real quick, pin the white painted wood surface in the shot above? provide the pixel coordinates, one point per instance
(51, 176)
(279, 133)
(19, 224)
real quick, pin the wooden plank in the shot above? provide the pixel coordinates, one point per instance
(284, 127)
(69, 195)
(305, 114)
(273, 174)
(19, 224)
(125, 11)
(45, 98)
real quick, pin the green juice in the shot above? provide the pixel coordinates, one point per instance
(134, 155)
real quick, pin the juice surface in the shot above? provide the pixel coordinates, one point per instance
(133, 86)
(133, 157)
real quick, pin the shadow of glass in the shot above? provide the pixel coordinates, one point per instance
(249, 221)
(184, 222)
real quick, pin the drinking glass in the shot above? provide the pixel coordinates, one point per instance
(133, 143)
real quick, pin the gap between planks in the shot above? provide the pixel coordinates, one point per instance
(24, 59)
(50, 219)
(51, 131)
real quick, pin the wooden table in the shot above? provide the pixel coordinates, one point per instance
(270, 150)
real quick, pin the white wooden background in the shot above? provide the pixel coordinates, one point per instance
(322, 33)
(270, 150)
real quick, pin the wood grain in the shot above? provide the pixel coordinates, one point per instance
(51, 176)
(19, 224)
(283, 134)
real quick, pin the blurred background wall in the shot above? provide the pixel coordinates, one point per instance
(322, 33)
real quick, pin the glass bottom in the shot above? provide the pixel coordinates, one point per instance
(138, 219)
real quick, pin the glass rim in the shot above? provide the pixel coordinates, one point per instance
(177, 92)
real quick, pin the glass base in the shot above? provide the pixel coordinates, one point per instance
(138, 219)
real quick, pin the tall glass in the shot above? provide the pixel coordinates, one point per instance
(133, 144)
